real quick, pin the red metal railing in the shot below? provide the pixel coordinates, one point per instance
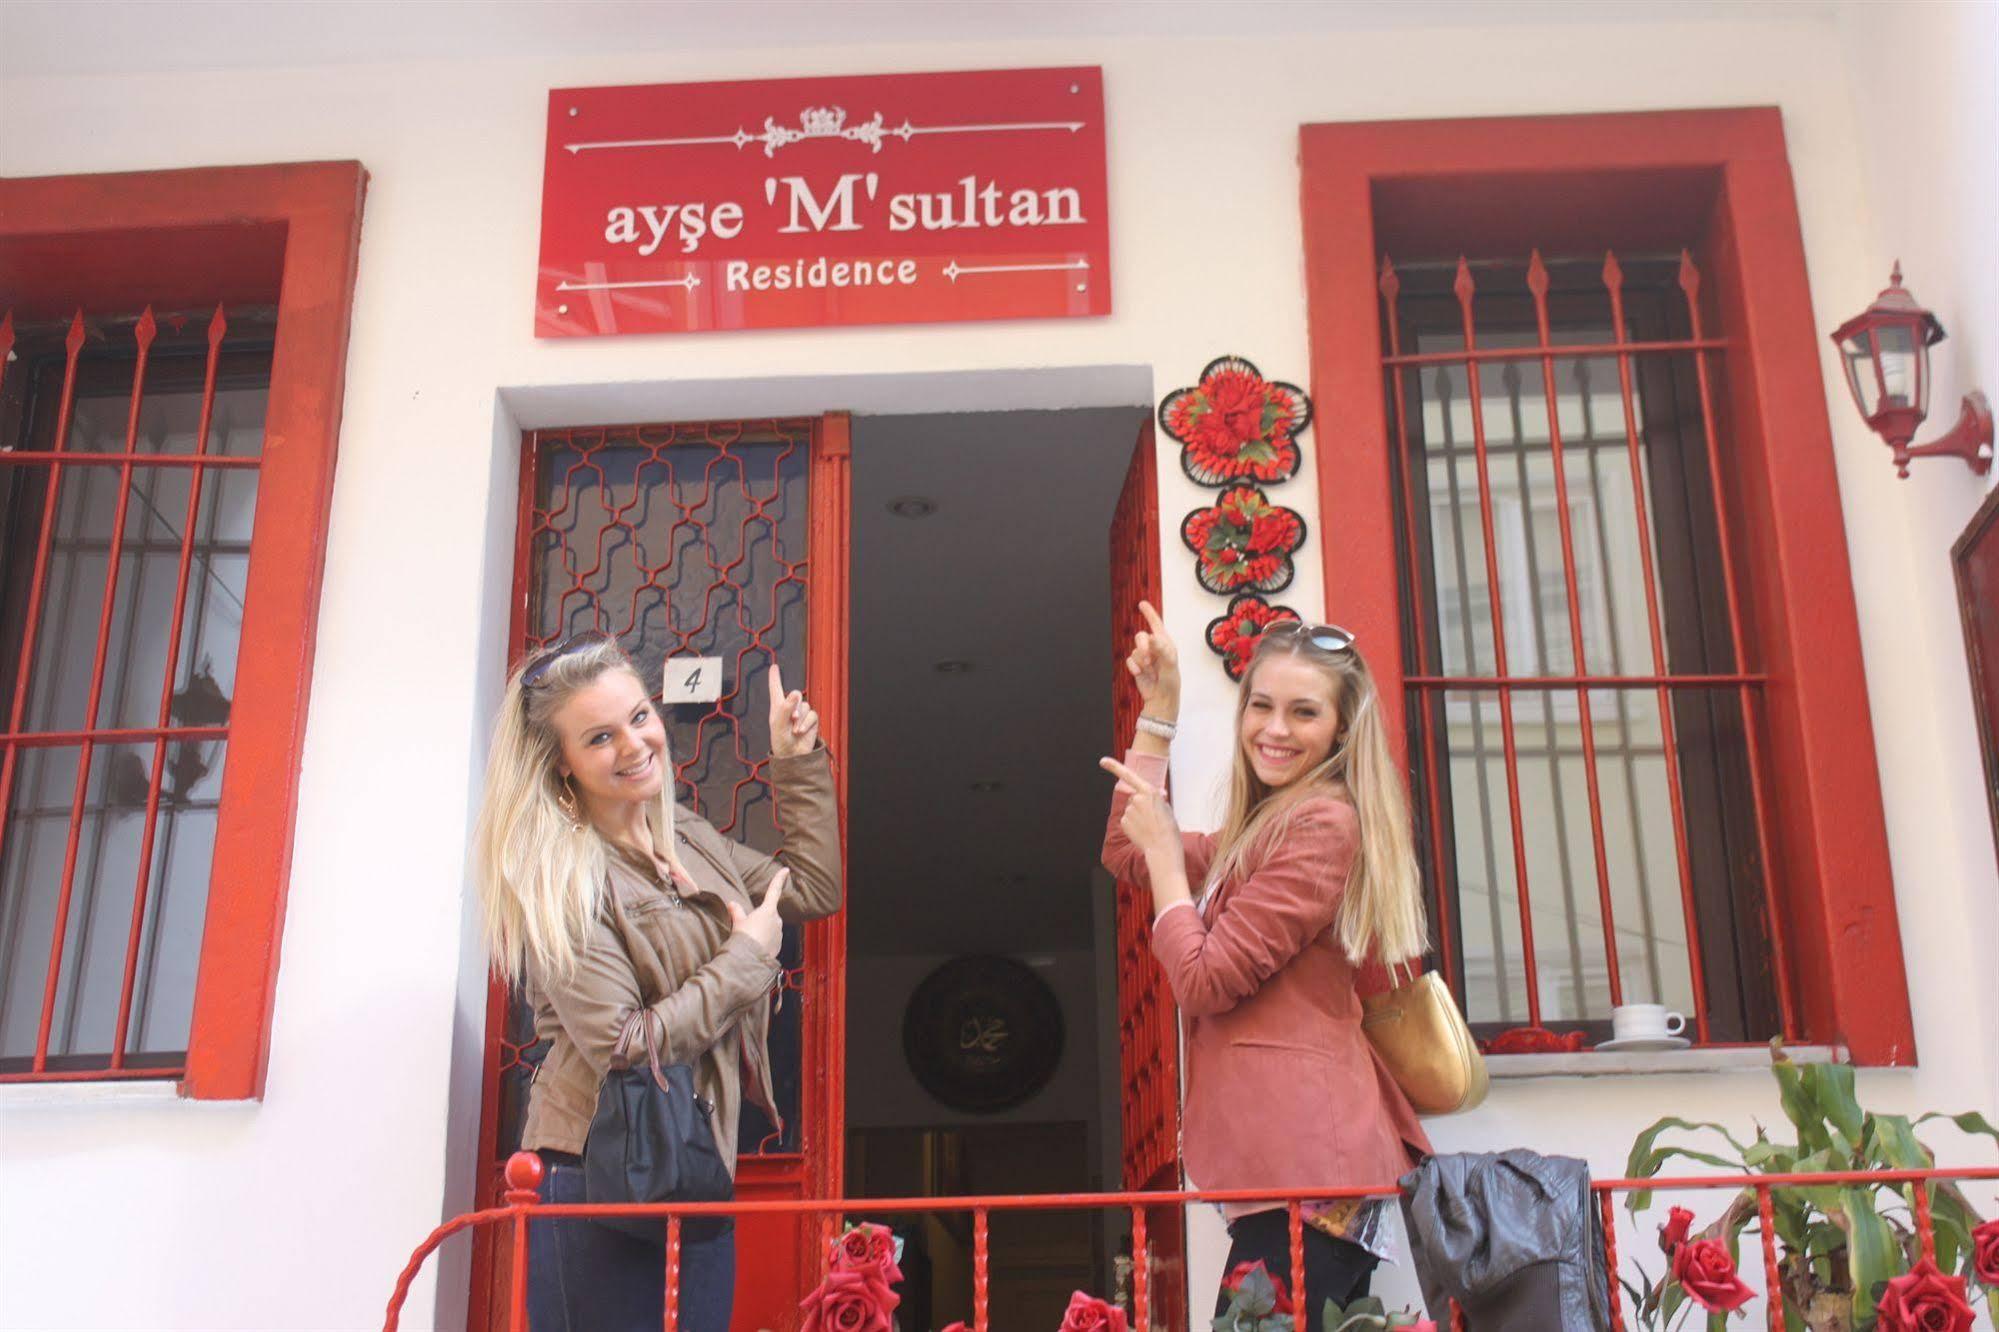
(1429, 683)
(525, 1169)
(56, 461)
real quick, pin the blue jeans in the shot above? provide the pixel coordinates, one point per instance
(585, 1277)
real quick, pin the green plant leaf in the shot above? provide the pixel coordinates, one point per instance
(1636, 1296)
(1832, 1086)
(1794, 1201)
(1953, 1237)
(1872, 1255)
(1822, 1238)
(1648, 1166)
(1891, 1141)
(1801, 1107)
(1642, 1145)
(1775, 1158)
(1970, 1122)
(1257, 1294)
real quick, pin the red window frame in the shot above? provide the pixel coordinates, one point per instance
(173, 239)
(1570, 180)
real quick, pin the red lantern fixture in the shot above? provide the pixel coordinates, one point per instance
(1885, 351)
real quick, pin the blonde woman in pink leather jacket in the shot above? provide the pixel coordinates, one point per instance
(1263, 929)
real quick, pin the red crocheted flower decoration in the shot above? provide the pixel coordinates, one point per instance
(1243, 542)
(1236, 425)
(1235, 633)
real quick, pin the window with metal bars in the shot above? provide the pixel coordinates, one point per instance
(1589, 800)
(129, 456)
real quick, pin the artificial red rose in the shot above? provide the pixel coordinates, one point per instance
(1233, 1282)
(1706, 1272)
(1234, 395)
(867, 1248)
(1985, 1252)
(1277, 531)
(1674, 1233)
(1087, 1313)
(1236, 424)
(1235, 632)
(1923, 1299)
(849, 1302)
(1243, 541)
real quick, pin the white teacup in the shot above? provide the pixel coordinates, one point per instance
(1645, 1022)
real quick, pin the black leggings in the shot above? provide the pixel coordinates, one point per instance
(1335, 1269)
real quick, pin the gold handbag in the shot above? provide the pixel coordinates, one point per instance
(1421, 1036)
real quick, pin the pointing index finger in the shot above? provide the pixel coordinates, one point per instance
(776, 682)
(1152, 617)
(775, 890)
(1125, 775)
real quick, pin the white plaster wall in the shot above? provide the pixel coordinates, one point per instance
(298, 1211)
(1931, 175)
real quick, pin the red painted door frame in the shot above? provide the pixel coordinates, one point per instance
(1576, 180)
(1148, 1019)
(787, 1253)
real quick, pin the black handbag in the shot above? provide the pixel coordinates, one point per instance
(652, 1140)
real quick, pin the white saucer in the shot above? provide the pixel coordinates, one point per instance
(1638, 1044)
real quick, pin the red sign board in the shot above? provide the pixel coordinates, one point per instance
(906, 198)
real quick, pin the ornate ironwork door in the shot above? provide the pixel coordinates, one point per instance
(721, 540)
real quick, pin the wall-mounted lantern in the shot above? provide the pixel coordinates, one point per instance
(1885, 351)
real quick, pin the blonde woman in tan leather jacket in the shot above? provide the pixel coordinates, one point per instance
(602, 899)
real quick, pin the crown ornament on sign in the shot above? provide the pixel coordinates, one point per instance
(818, 122)
(822, 122)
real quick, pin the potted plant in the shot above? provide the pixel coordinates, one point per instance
(1849, 1257)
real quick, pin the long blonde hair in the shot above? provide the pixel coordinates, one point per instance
(1381, 915)
(542, 879)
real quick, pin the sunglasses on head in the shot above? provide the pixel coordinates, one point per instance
(1326, 637)
(538, 666)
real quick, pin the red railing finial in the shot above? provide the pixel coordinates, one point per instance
(1613, 278)
(523, 1179)
(74, 342)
